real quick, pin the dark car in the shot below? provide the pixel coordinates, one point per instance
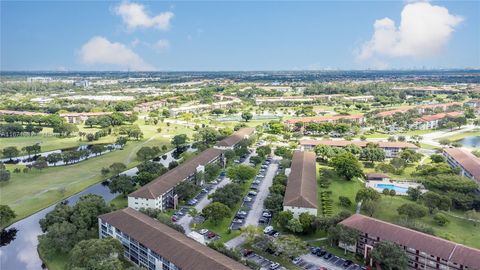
(270, 251)
(211, 235)
(272, 232)
(347, 263)
(247, 252)
(321, 253)
(327, 256)
(314, 250)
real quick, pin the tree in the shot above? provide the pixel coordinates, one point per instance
(121, 141)
(216, 212)
(307, 222)
(344, 235)
(121, 184)
(10, 152)
(324, 152)
(117, 167)
(414, 193)
(60, 237)
(96, 149)
(263, 151)
(289, 245)
(344, 201)
(369, 207)
(274, 202)
(6, 214)
(390, 256)
(247, 116)
(372, 153)
(347, 166)
(4, 175)
(230, 194)
(444, 141)
(283, 217)
(54, 158)
(207, 135)
(294, 226)
(441, 219)
(186, 190)
(97, 254)
(412, 210)
(179, 141)
(433, 200)
(436, 158)
(146, 153)
(241, 173)
(367, 194)
(40, 163)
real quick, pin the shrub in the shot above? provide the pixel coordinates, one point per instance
(441, 219)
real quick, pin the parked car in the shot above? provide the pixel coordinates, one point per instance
(321, 253)
(252, 193)
(314, 250)
(203, 231)
(296, 260)
(272, 232)
(211, 235)
(214, 182)
(277, 234)
(267, 229)
(347, 263)
(174, 218)
(327, 256)
(247, 199)
(263, 220)
(238, 220)
(274, 266)
(247, 252)
(266, 214)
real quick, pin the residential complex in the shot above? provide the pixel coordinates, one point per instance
(424, 251)
(155, 246)
(9, 112)
(433, 121)
(76, 118)
(391, 148)
(160, 193)
(293, 99)
(301, 192)
(468, 163)
(359, 118)
(150, 106)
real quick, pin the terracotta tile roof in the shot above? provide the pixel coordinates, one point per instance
(468, 161)
(170, 179)
(343, 143)
(319, 119)
(429, 106)
(391, 112)
(302, 182)
(413, 239)
(172, 245)
(438, 116)
(236, 137)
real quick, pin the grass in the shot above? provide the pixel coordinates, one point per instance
(27, 193)
(458, 230)
(58, 261)
(459, 136)
(119, 202)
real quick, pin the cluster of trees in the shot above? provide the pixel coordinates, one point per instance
(147, 171)
(241, 173)
(327, 128)
(114, 119)
(145, 153)
(304, 224)
(228, 195)
(50, 120)
(274, 201)
(6, 214)
(346, 165)
(66, 226)
(369, 198)
(15, 130)
(132, 131)
(398, 164)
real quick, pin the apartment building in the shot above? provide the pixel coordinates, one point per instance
(230, 142)
(391, 149)
(424, 251)
(285, 100)
(155, 246)
(301, 192)
(358, 118)
(150, 106)
(160, 193)
(75, 118)
(24, 113)
(433, 121)
(468, 163)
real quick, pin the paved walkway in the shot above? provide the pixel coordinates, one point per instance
(257, 208)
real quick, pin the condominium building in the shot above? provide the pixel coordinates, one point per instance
(75, 117)
(23, 113)
(150, 106)
(358, 118)
(433, 121)
(160, 193)
(391, 149)
(155, 246)
(233, 140)
(468, 163)
(424, 251)
(301, 192)
(285, 100)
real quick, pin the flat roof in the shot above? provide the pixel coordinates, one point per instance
(468, 161)
(430, 244)
(236, 137)
(172, 245)
(173, 177)
(301, 188)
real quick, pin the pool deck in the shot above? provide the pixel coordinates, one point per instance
(402, 185)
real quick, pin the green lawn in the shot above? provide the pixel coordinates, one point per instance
(458, 230)
(30, 192)
(119, 202)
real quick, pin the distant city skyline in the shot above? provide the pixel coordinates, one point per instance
(239, 36)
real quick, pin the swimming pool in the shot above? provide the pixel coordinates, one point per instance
(397, 189)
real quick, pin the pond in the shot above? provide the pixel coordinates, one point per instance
(470, 141)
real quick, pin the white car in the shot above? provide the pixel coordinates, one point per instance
(296, 260)
(266, 215)
(203, 231)
(274, 266)
(247, 199)
(267, 229)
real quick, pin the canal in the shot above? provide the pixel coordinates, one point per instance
(21, 251)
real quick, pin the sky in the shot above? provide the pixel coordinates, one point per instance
(238, 35)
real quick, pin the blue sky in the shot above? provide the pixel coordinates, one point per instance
(229, 35)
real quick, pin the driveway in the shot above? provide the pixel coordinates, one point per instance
(257, 208)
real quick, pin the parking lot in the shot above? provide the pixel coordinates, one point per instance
(326, 260)
(252, 205)
(263, 262)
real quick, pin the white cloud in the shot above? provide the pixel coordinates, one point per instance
(100, 51)
(161, 45)
(135, 16)
(424, 31)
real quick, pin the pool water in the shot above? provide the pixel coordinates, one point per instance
(392, 186)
